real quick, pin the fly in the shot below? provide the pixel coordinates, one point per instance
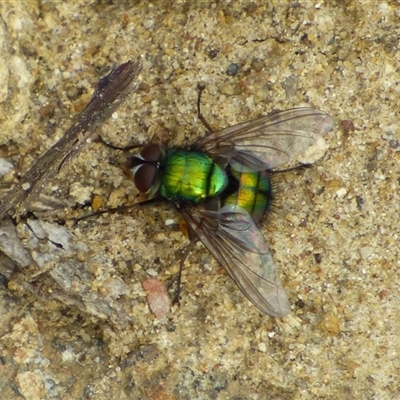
(220, 186)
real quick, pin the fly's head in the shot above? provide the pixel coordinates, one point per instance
(145, 169)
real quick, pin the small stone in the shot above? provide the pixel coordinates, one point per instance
(330, 323)
(233, 69)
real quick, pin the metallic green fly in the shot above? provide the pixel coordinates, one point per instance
(220, 186)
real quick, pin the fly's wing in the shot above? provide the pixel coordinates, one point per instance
(235, 241)
(269, 141)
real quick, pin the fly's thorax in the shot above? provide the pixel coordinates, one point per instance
(253, 194)
(145, 168)
(191, 176)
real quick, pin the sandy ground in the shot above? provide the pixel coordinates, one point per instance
(333, 234)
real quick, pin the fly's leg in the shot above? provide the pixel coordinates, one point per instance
(295, 168)
(114, 210)
(200, 88)
(177, 293)
(99, 139)
(120, 209)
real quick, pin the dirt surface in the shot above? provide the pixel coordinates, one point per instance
(88, 333)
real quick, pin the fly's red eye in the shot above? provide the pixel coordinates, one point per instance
(144, 177)
(151, 153)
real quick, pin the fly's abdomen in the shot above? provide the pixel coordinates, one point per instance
(191, 176)
(254, 193)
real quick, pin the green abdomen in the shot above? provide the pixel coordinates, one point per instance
(254, 193)
(191, 176)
